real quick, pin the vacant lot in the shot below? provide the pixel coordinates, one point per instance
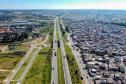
(3, 75)
(8, 63)
(40, 72)
(8, 60)
(25, 64)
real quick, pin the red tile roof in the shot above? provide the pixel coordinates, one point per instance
(4, 30)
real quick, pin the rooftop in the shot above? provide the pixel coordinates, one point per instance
(4, 30)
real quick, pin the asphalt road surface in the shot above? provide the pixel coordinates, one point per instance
(54, 78)
(67, 76)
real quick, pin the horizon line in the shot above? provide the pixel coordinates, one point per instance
(59, 9)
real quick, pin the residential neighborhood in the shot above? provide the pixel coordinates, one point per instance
(102, 46)
(62, 47)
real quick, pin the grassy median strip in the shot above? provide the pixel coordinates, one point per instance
(60, 67)
(24, 65)
(57, 34)
(40, 72)
(73, 67)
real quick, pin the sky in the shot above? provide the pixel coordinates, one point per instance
(63, 4)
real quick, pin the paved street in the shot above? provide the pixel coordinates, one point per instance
(54, 77)
(67, 76)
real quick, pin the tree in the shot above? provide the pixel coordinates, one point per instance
(67, 29)
(29, 28)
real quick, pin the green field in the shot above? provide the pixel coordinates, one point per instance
(57, 34)
(73, 67)
(50, 39)
(45, 30)
(40, 72)
(3, 75)
(18, 47)
(8, 60)
(23, 46)
(24, 65)
(65, 37)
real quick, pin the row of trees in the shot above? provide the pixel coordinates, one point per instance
(13, 37)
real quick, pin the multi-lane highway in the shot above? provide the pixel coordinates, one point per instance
(67, 76)
(54, 78)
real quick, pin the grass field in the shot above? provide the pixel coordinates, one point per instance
(57, 34)
(73, 67)
(23, 47)
(19, 47)
(8, 63)
(8, 60)
(50, 39)
(45, 30)
(40, 72)
(24, 65)
(65, 37)
(3, 75)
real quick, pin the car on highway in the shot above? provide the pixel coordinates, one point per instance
(55, 53)
(82, 77)
(63, 57)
